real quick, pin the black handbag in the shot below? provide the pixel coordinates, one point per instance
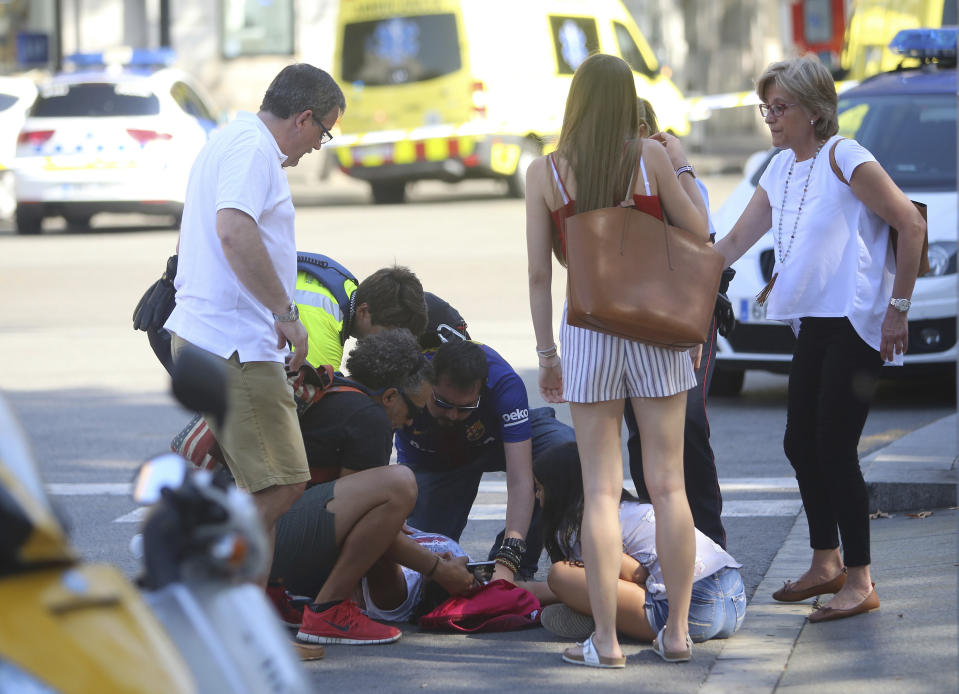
(157, 302)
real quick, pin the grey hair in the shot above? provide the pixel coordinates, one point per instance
(389, 359)
(809, 82)
(299, 87)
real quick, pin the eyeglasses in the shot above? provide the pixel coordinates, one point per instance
(776, 109)
(327, 135)
(442, 404)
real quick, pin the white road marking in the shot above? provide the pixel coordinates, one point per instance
(732, 508)
(90, 489)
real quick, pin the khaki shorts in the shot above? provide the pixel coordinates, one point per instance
(261, 439)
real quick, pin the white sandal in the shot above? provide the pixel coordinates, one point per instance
(585, 654)
(672, 656)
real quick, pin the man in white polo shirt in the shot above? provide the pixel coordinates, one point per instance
(237, 274)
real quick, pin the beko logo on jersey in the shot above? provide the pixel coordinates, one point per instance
(515, 417)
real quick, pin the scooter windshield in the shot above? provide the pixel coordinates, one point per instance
(32, 534)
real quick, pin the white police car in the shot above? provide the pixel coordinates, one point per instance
(118, 134)
(907, 119)
(16, 96)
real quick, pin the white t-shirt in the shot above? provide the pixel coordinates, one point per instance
(240, 168)
(638, 522)
(840, 263)
(437, 544)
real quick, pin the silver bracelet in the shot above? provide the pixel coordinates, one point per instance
(683, 169)
(548, 352)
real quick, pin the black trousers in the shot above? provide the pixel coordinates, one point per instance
(831, 384)
(699, 463)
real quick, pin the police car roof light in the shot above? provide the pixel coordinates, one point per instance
(926, 44)
(125, 56)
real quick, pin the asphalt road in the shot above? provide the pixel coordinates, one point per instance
(95, 402)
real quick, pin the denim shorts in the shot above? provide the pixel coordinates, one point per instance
(716, 611)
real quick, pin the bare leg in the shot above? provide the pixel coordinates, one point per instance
(369, 508)
(858, 586)
(272, 503)
(660, 423)
(542, 591)
(599, 441)
(826, 565)
(568, 582)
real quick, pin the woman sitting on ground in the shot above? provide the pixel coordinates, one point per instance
(718, 600)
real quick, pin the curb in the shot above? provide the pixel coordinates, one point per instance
(754, 659)
(916, 471)
(919, 470)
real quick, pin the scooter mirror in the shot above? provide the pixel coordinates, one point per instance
(200, 383)
(166, 470)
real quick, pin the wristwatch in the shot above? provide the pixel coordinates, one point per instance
(901, 305)
(292, 315)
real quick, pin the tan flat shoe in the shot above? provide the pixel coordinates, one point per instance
(790, 594)
(870, 603)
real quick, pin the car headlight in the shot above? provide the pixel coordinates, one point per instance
(942, 258)
(13, 680)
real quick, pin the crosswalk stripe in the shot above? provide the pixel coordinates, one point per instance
(732, 484)
(732, 508)
(90, 489)
(768, 508)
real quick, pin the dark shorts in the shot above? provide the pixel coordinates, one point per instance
(305, 549)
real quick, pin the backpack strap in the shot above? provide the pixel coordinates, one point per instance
(331, 275)
(832, 161)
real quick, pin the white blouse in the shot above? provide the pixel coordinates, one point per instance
(840, 263)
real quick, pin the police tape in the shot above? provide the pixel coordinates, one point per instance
(701, 107)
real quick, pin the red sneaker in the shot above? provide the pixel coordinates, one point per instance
(282, 600)
(344, 623)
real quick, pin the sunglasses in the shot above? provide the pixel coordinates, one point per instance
(776, 109)
(442, 404)
(327, 135)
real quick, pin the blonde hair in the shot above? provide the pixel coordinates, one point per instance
(600, 130)
(809, 82)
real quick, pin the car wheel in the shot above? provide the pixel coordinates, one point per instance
(29, 219)
(529, 150)
(388, 193)
(727, 382)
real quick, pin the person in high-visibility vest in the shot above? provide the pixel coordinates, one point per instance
(334, 306)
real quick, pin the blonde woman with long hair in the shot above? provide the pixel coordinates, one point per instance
(591, 169)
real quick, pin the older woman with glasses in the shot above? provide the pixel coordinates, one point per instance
(838, 284)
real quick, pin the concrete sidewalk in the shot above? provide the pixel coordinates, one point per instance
(910, 644)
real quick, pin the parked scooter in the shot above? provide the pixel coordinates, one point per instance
(68, 625)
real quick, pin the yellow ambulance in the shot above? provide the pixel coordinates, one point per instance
(873, 24)
(455, 89)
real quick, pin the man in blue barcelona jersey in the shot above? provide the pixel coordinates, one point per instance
(478, 420)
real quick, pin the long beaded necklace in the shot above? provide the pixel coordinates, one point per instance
(764, 294)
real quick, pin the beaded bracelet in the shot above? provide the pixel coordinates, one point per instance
(514, 568)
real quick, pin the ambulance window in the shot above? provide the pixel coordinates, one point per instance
(575, 39)
(949, 14)
(630, 51)
(400, 50)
